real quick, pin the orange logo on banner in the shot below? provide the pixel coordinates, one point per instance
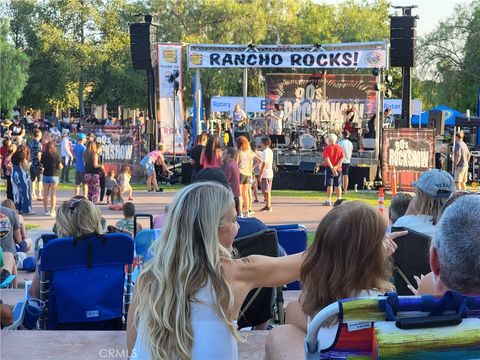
(170, 55)
(196, 59)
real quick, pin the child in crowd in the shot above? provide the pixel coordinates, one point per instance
(232, 173)
(398, 207)
(110, 183)
(124, 181)
(126, 224)
(116, 199)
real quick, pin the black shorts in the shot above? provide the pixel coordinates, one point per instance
(109, 192)
(331, 180)
(244, 179)
(345, 169)
(79, 178)
(36, 173)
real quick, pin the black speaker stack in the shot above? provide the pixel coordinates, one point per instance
(403, 40)
(142, 46)
(436, 121)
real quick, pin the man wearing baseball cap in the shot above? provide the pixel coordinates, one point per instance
(462, 157)
(432, 189)
(78, 150)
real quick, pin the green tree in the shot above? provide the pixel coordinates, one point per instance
(13, 70)
(448, 59)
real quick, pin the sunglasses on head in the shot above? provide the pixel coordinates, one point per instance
(73, 205)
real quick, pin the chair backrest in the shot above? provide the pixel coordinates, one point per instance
(293, 238)
(374, 327)
(144, 239)
(411, 258)
(82, 281)
(257, 307)
(7, 282)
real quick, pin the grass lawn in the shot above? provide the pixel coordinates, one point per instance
(31, 226)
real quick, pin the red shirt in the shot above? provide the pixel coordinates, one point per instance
(3, 153)
(333, 152)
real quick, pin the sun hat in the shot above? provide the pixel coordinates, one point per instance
(81, 136)
(436, 183)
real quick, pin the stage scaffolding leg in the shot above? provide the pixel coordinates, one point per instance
(199, 102)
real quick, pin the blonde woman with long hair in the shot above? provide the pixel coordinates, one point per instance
(189, 295)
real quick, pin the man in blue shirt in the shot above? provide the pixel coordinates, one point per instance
(78, 151)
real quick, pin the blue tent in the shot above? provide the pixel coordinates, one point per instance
(450, 115)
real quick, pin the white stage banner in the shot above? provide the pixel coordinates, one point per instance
(169, 61)
(209, 56)
(227, 103)
(396, 106)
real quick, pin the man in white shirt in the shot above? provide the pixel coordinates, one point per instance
(276, 120)
(240, 119)
(67, 156)
(347, 146)
(266, 173)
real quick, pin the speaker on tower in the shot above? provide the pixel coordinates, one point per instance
(436, 120)
(403, 41)
(142, 46)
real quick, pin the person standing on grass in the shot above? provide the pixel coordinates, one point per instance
(22, 195)
(78, 151)
(92, 170)
(266, 173)
(51, 164)
(67, 156)
(36, 170)
(333, 158)
(347, 147)
(462, 157)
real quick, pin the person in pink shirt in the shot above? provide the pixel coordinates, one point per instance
(211, 154)
(232, 173)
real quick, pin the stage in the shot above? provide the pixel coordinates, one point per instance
(306, 173)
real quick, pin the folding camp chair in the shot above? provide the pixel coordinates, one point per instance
(258, 305)
(399, 327)
(7, 282)
(82, 282)
(18, 315)
(293, 238)
(411, 258)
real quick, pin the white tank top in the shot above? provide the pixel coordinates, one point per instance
(212, 340)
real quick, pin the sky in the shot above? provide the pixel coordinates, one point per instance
(431, 12)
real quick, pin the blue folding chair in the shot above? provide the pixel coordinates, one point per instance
(143, 240)
(293, 238)
(82, 282)
(18, 315)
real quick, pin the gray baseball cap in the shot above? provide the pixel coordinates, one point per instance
(436, 183)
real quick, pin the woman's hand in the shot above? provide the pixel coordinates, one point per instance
(389, 246)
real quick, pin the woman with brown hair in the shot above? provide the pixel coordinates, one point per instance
(211, 156)
(245, 157)
(51, 165)
(21, 185)
(92, 171)
(348, 258)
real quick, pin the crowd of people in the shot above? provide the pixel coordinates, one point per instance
(202, 284)
(246, 168)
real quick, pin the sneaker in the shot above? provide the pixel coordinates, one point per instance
(47, 213)
(327, 203)
(250, 212)
(255, 201)
(159, 190)
(266, 208)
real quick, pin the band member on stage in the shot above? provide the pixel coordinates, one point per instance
(350, 121)
(240, 119)
(372, 126)
(275, 116)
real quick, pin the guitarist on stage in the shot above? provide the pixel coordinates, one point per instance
(240, 120)
(350, 120)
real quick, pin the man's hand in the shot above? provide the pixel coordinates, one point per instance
(334, 172)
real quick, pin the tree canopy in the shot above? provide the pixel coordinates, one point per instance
(79, 50)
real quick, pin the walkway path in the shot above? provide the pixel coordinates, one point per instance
(286, 210)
